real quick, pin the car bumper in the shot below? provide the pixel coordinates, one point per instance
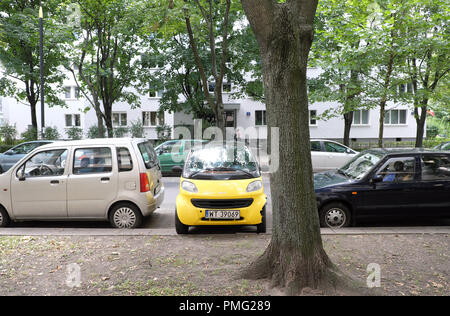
(152, 202)
(190, 215)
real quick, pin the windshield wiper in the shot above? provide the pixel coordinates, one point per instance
(221, 169)
(344, 173)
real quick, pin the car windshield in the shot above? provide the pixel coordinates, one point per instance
(233, 161)
(24, 149)
(360, 165)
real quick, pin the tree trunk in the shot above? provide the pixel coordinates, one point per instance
(348, 120)
(420, 120)
(387, 82)
(295, 258)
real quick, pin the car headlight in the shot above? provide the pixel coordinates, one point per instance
(189, 186)
(254, 186)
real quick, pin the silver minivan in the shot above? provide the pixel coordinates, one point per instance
(99, 179)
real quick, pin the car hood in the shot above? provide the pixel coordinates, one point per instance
(324, 179)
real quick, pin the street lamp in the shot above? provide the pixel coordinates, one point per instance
(41, 64)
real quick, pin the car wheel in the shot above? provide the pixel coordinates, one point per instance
(125, 215)
(4, 217)
(261, 228)
(335, 215)
(180, 228)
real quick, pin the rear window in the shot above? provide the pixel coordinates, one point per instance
(148, 154)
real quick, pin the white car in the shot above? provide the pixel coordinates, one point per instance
(329, 155)
(100, 179)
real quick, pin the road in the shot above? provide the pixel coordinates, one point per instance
(161, 222)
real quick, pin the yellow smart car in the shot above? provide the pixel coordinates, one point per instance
(221, 184)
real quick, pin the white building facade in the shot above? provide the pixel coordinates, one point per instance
(243, 113)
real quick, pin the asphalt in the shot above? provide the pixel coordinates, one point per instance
(161, 222)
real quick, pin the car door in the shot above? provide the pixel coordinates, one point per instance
(170, 154)
(434, 185)
(318, 156)
(39, 186)
(92, 182)
(393, 193)
(337, 155)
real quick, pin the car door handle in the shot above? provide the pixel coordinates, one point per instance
(104, 179)
(54, 182)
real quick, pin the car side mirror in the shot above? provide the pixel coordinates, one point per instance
(8, 152)
(348, 151)
(377, 178)
(21, 174)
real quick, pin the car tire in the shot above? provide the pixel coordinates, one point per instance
(125, 215)
(335, 215)
(180, 228)
(261, 228)
(4, 217)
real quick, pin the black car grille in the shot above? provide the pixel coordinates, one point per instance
(221, 204)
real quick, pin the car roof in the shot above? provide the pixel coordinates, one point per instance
(405, 151)
(96, 141)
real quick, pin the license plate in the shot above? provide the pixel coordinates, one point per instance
(222, 214)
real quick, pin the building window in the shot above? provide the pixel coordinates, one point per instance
(152, 118)
(312, 117)
(72, 120)
(395, 117)
(230, 120)
(226, 87)
(361, 117)
(405, 88)
(154, 93)
(260, 118)
(67, 92)
(77, 93)
(119, 119)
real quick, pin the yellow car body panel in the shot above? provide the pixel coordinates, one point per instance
(190, 215)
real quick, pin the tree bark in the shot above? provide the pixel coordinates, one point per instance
(387, 82)
(295, 257)
(348, 120)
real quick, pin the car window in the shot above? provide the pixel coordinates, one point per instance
(399, 169)
(148, 154)
(315, 146)
(25, 148)
(171, 147)
(92, 160)
(334, 148)
(124, 159)
(45, 163)
(435, 167)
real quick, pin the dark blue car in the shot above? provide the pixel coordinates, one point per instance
(13, 155)
(385, 183)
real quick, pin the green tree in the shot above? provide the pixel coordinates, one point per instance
(19, 53)
(105, 58)
(426, 53)
(295, 257)
(340, 51)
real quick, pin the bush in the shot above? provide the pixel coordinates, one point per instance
(74, 133)
(93, 132)
(30, 134)
(120, 131)
(8, 133)
(51, 133)
(432, 131)
(137, 130)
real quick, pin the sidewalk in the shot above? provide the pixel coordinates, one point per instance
(45, 231)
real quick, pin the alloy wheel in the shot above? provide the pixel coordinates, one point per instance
(335, 218)
(124, 217)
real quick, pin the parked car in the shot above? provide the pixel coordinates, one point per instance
(385, 183)
(220, 185)
(328, 154)
(443, 146)
(172, 154)
(14, 154)
(100, 179)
